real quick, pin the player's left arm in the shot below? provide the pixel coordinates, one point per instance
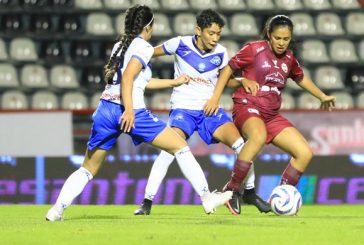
(327, 101)
(156, 83)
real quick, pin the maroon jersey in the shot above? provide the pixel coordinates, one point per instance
(258, 62)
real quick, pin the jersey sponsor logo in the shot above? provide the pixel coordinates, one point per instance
(275, 77)
(252, 110)
(259, 49)
(266, 65)
(284, 67)
(201, 67)
(275, 62)
(216, 60)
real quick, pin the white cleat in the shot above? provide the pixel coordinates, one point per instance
(212, 200)
(54, 214)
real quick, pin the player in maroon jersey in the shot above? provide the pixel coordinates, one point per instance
(266, 65)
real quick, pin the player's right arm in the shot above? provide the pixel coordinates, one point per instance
(169, 47)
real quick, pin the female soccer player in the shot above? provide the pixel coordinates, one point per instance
(201, 57)
(266, 65)
(122, 110)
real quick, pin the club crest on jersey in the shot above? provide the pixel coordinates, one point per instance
(216, 60)
(284, 67)
(201, 67)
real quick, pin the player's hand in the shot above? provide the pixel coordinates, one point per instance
(211, 107)
(328, 102)
(126, 121)
(250, 86)
(182, 79)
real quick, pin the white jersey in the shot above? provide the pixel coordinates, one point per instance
(143, 51)
(202, 68)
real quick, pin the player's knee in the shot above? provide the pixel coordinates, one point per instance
(305, 155)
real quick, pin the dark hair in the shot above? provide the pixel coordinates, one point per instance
(136, 19)
(278, 21)
(207, 17)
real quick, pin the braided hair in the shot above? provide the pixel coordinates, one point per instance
(279, 21)
(136, 19)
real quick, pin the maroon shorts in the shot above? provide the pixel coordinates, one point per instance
(274, 123)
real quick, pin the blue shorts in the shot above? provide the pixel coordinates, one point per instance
(195, 120)
(106, 128)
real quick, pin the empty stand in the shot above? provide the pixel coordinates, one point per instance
(260, 4)
(289, 4)
(8, 76)
(14, 100)
(314, 51)
(74, 101)
(201, 4)
(23, 49)
(63, 77)
(99, 24)
(184, 24)
(117, 4)
(175, 4)
(232, 5)
(343, 51)
(153, 4)
(34, 76)
(354, 23)
(329, 24)
(307, 101)
(88, 4)
(328, 77)
(316, 4)
(3, 51)
(343, 101)
(288, 102)
(244, 25)
(303, 24)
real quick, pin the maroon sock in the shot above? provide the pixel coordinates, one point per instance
(238, 174)
(290, 176)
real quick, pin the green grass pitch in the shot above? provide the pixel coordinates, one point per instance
(181, 224)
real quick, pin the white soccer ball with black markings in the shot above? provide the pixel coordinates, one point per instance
(285, 200)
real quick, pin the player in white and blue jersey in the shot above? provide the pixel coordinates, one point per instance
(201, 57)
(122, 110)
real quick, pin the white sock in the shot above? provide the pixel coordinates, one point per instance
(192, 170)
(238, 145)
(73, 186)
(250, 178)
(157, 174)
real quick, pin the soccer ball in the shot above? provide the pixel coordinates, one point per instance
(285, 200)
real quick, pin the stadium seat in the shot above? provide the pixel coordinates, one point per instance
(314, 51)
(11, 23)
(74, 101)
(8, 4)
(307, 101)
(345, 4)
(288, 102)
(41, 24)
(355, 78)
(161, 25)
(360, 100)
(317, 4)
(52, 51)
(354, 23)
(153, 4)
(184, 24)
(117, 4)
(232, 5)
(62, 4)
(120, 23)
(329, 24)
(201, 4)
(260, 4)
(14, 100)
(303, 24)
(226, 31)
(3, 51)
(44, 100)
(289, 4)
(328, 77)
(88, 4)
(99, 24)
(34, 4)
(161, 101)
(361, 50)
(34, 76)
(81, 51)
(244, 25)
(293, 86)
(343, 101)
(226, 102)
(63, 77)
(23, 49)
(70, 24)
(95, 99)
(343, 51)
(231, 46)
(177, 5)
(92, 78)
(8, 76)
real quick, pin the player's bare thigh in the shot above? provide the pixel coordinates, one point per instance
(290, 140)
(93, 160)
(227, 134)
(169, 140)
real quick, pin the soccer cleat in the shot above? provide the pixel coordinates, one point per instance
(54, 214)
(145, 208)
(234, 203)
(250, 197)
(212, 200)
